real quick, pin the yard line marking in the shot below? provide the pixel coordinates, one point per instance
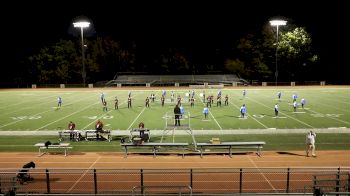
(250, 116)
(329, 105)
(210, 113)
(285, 114)
(263, 175)
(28, 100)
(31, 115)
(336, 119)
(66, 116)
(103, 115)
(82, 176)
(14, 122)
(136, 118)
(139, 114)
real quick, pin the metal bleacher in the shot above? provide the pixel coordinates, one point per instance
(158, 80)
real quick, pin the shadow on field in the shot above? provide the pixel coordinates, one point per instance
(290, 153)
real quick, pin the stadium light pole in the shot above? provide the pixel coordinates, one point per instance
(82, 25)
(277, 23)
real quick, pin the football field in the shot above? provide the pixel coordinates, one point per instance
(36, 110)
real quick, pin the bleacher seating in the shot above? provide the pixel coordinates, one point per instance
(156, 80)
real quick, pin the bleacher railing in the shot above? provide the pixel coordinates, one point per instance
(170, 181)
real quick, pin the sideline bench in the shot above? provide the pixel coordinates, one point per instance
(231, 145)
(155, 147)
(64, 146)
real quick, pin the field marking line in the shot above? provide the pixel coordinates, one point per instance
(101, 116)
(30, 115)
(284, 114)
(24, 108)
(144, 108)
(336, 119)
(210, 113)
(329, 105)
(82, 176)
(263, 175)
(336, 100)
(139, 114)
(66, 116)
(23, 102)
(14, 122)
(266, 127)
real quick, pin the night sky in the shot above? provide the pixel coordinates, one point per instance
(191, 25)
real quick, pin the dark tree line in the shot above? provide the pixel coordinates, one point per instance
(252, 57)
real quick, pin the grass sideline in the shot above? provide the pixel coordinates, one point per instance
(274, 142)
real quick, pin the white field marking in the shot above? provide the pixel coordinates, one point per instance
(263, 175)
(333, 100)
(336, 119)
(336, 127)
(329, 106)
(299, 112)
(86, 126)
(250, 116)
(19, 103)
(14, 122)
(211, 114)
(272, 128)
(82, 176)
(279, 117)
(136, 118)
(139, 114)
(36, 105)
(206, 120)
(31, 106)
(285, 114)
(66, 116)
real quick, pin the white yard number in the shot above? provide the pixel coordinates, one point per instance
(26, 117)
(326, 115)
(95, 117)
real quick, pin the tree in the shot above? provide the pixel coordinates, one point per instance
(295, 49)
(256, 51)
(57, 63)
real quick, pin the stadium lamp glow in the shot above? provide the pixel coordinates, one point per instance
(81, 24)
(278, 22)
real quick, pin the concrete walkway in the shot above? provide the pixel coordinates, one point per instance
(195, 132)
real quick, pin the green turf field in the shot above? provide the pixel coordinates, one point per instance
(37, 109)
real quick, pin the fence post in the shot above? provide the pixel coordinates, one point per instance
(47, 181)
(142, 182)
(349, 182)
(337, 181)
(240, 180)
(95, 181)
(288, 175)
(191, 177)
